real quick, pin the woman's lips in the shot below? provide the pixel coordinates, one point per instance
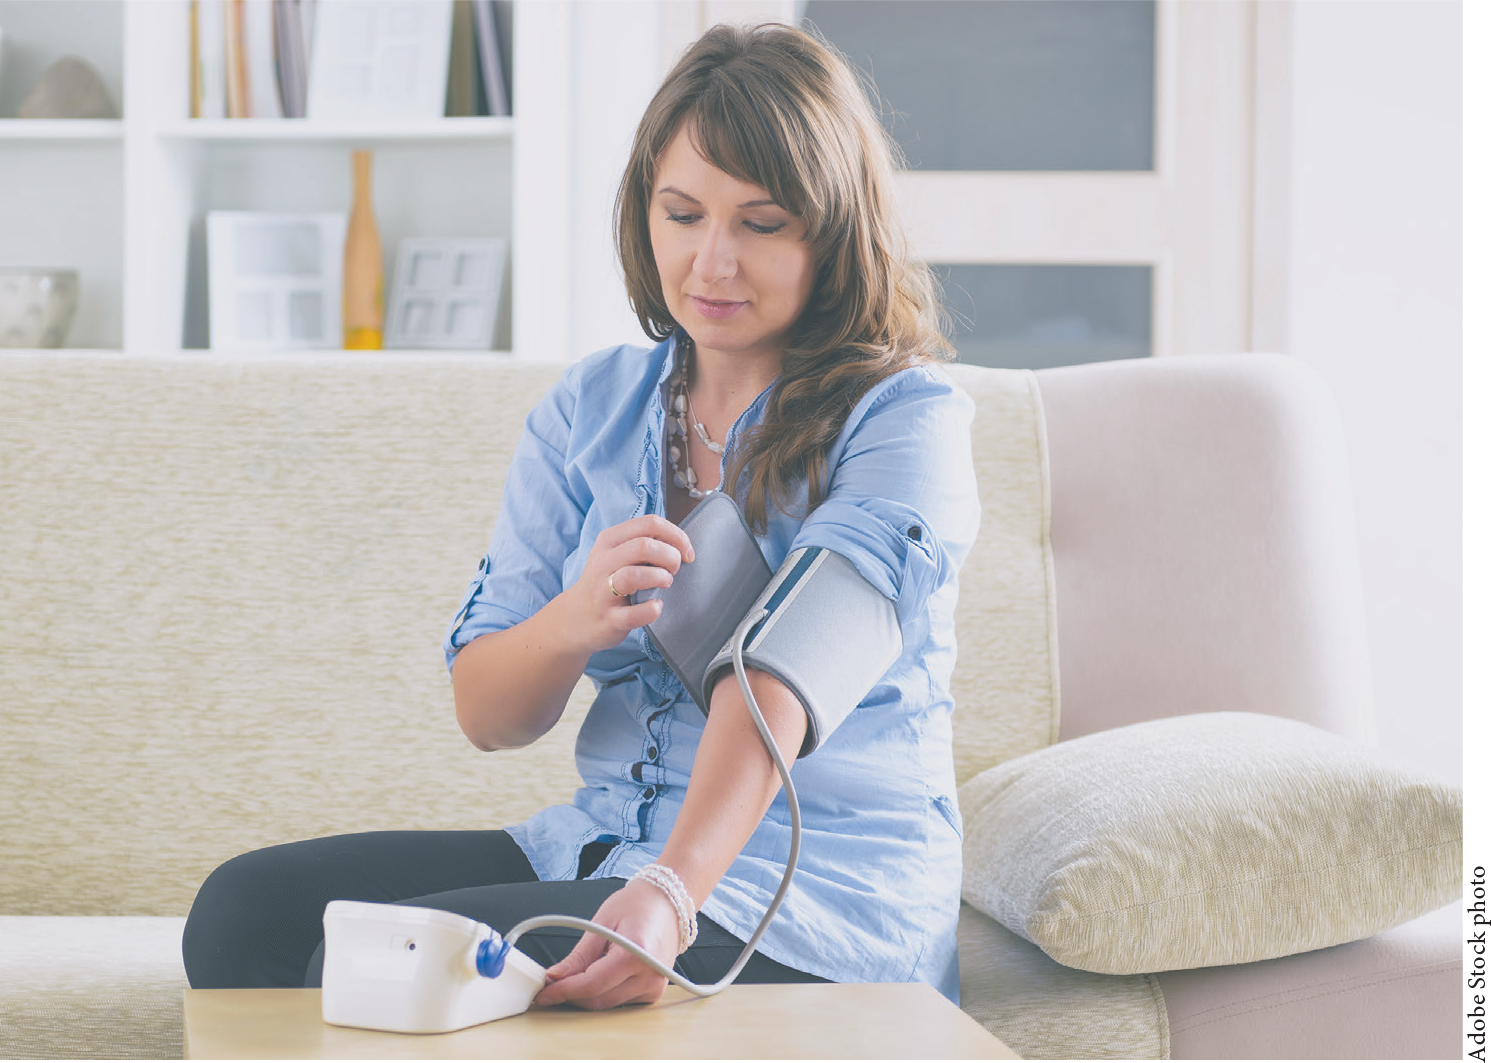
(716, 309)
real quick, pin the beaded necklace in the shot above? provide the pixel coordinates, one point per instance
(681, 414)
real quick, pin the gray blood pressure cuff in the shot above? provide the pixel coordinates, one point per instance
(829, 635)
(710, 595)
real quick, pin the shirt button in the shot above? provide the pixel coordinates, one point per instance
(914, 533)
(649, 793)
(652, 752)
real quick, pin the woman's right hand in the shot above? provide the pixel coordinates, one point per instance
(511, 686)
(635, 555)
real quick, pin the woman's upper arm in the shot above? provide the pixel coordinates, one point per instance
(538, 523)
(903, 500)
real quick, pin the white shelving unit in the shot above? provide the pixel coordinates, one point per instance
(61, 183)
(448, 131)
(126, 201)
(44, 131)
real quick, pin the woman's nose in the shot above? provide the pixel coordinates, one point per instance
(715, 259)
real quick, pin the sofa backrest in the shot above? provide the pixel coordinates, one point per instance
(224, 582)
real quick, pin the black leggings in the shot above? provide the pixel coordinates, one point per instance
(256, 921)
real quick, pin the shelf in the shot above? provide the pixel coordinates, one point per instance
(339, 356)
(125, 201)
(72, 130)
(281, 130)
(327, 356)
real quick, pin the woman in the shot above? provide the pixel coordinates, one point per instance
(793, 371)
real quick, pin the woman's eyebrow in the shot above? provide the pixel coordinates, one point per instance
(739, 206)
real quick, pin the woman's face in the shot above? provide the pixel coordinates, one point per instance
(735, 270)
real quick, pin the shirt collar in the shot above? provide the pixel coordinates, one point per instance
(665, 370)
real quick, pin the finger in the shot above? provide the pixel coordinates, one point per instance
(646, 550)
(648, 526)
(611, 980)
(628, 617)
(589, 949)
(643, 988)
(629, 579)
(666, 531)
(598, 975)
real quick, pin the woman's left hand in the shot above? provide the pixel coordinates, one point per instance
(597, 974)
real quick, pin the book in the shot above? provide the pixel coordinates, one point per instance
(308, 30)
(194, 108)
(210, 54)
(290, 56)
(235, 72)
(489, 50)
(460, 94)
(258, 51)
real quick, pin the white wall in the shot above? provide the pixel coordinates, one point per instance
(1374, 303)
(616, 74)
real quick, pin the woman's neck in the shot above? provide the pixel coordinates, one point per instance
(721, 386)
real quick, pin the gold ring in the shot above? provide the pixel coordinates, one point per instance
(611, 582)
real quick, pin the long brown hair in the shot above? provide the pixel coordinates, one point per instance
(772, 105)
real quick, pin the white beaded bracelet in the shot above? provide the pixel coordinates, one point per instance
(672, 887)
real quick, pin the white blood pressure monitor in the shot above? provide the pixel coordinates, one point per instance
(419, 970)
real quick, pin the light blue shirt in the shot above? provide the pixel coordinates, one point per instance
(875, 897)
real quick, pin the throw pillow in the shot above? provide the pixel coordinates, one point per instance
(1209, 839)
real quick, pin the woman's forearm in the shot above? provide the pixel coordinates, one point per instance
(733, 781)
(511, 686)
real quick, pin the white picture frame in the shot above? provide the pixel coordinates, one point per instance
(379, 60)
(446, 293)
(274, 281)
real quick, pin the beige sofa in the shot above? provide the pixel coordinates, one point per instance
(225, 581)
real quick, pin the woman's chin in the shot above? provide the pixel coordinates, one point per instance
(728, 339)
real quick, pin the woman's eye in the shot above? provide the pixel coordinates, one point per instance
(764, 228)
(682, 219)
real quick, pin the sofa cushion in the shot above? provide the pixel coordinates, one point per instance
(90, 987)
(1216, 838)
(1043, 1010)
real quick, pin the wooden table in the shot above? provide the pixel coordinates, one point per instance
(911, 1021)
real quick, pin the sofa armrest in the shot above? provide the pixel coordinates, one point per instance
(1391, 996)
(1204, 542)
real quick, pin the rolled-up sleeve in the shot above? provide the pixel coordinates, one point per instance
(903, 499)
(538, 523)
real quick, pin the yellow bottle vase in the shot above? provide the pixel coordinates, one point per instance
(362, 265)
